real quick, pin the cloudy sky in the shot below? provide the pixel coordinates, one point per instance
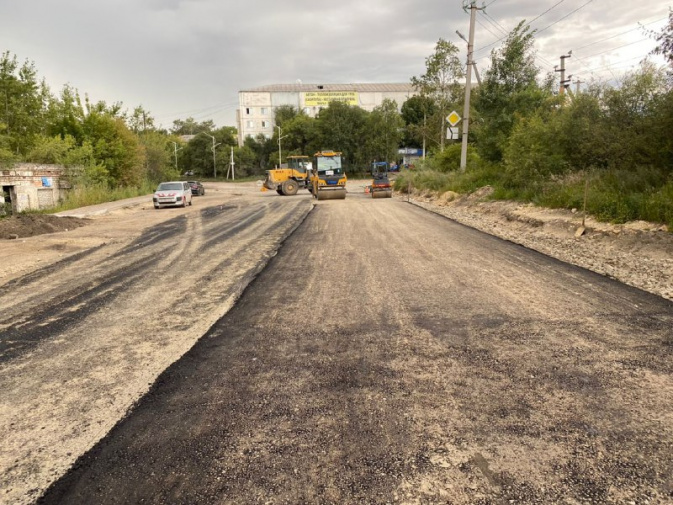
(182, 58)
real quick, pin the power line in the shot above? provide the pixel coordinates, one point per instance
(619, 34)
(545, 12)
(615, 48)
(495, 23)
(487, 28)
(567, 15)
(612, 65)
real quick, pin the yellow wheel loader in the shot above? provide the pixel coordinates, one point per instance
(328, 179)
(381, 187)
(288, 180)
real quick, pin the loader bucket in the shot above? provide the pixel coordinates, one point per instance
(332, 194)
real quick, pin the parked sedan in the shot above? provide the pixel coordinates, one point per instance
(197, 188)
(173, 194)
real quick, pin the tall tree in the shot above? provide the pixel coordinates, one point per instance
(443, 70)
(190, 126)
(284, 114)
(66, 115)
(509, 90)
(415, 113)
(23, 101)
(665, 41)
(383, 132)
(341, 128)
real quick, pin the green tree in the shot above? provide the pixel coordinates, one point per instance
(190, 126)
(65, 115)
(302, 133)
(665, 41)
(341, 128)
(440, 82)
(115, 147)
(383, 132)
(415, 113)
(22, 103)
(283, 114)
(509, 90)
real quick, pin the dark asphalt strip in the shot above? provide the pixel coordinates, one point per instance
(38, 276)
(52, 319)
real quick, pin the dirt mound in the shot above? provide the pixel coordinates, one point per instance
(37, 224)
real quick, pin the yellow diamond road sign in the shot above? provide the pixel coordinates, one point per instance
(453, 118)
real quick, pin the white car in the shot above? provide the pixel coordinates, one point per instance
(173, 194)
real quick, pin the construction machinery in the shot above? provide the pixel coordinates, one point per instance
(328, 179)
(380, 187)
(288, 180)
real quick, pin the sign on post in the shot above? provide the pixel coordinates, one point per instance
(453, 119)
(452, 133)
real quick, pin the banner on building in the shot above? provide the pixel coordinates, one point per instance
(323, 98)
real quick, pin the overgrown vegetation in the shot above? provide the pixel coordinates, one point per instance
(533, 145)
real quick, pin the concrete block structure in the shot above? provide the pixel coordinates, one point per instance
(29, 186)
(257, 106)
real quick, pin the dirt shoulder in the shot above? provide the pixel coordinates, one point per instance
(638, 253)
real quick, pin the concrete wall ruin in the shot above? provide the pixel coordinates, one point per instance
(31, 186)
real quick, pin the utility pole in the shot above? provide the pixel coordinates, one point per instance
(468, 82)
(231, 165)
(213, 148)
(562, 87)
(176, 149)
(474, 63)
(577, 86)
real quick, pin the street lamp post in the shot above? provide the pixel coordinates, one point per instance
(280, 156)
(176, 149)
(213, 148)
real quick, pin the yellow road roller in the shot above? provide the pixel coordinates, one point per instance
(328, 180)
(380, 187)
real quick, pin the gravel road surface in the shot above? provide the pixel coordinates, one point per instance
(385, 355)
(90, 317)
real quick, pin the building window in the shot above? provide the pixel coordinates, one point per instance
(267, 136)
(266, 124)
(250, 124)
(247, 111)
(263, 111)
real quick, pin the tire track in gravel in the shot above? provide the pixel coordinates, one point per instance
(111, 320)
(438, 365)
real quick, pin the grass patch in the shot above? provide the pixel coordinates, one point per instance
(94, 194)
(614, 196)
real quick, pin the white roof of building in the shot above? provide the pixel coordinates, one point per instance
(372, 87)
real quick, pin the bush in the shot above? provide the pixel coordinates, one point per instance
(449, 159)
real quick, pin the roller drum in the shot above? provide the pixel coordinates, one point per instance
(385, 193)
(332, 194)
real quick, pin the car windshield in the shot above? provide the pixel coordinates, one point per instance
(166, 186)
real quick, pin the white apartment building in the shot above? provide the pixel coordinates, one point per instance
(257, 106)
